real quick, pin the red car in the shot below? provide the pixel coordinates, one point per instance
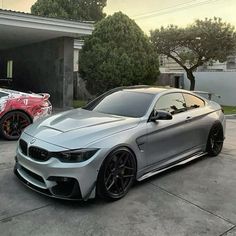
(18, 110)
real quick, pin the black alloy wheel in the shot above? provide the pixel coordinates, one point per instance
(117, 174)
(215, 140)
(13, 123)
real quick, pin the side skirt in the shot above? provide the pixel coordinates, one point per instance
(181, 162)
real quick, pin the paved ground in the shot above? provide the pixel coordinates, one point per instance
(197, 199)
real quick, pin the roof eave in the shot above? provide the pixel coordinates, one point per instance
(45, 23)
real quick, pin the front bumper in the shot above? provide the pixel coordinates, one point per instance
(65, 188)
(73, 181)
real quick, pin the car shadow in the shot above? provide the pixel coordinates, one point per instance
(5, 140)
(137, 185)
(171, 171)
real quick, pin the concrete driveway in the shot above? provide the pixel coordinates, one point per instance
(197, 199)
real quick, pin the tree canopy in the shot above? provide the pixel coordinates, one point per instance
(89, 10)
(203, 41)
(117, 54)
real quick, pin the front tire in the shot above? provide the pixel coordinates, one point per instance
(13, 123)
(116, 174)
(215, 140)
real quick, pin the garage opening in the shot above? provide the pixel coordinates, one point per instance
(37, 54)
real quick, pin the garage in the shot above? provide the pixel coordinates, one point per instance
(38, 54)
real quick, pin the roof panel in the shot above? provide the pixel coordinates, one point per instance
(146, 89)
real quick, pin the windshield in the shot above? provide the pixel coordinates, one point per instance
(122, 103)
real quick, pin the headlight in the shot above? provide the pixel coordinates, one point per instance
(79, 155)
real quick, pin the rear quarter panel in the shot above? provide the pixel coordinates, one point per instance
(213, 114)
(32, 106)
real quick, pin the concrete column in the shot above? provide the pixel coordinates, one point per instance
(68, 72)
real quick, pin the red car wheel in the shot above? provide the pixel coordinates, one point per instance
(13, 123)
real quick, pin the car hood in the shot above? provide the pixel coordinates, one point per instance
(78, 128)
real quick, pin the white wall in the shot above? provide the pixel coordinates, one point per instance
(220, 83)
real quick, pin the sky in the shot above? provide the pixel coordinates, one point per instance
(152, 14)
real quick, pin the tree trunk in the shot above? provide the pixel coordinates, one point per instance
(191, 79)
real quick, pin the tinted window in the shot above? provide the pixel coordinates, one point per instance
(3, 94)
(173, 103)
(122, 103)
(193, 102)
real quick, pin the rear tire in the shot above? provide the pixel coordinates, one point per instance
(116, 174)
(215, 140)
(13, 123)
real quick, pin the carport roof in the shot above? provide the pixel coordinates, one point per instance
(18, 29)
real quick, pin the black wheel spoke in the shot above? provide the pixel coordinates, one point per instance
(108, 179)
(14, 133)
(17, 117)
(216, 141)
(128, 176)
(220, 141)
(117, 189)
(19, 132)
(24, 123)
(111, 184)
(122, 184)
(128, 168)
(13, 117)
(125, 159)
(116, 160)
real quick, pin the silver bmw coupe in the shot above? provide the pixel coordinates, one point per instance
(126, 134)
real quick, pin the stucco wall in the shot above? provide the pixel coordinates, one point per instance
(220, 83)
(43, 67)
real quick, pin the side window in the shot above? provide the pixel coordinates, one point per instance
(173, 103)
(3, 94)
(193, 102)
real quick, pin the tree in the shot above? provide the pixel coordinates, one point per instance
(204, 41)
(117, 54)
(90, 10)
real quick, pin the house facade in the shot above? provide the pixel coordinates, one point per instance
(216, 78)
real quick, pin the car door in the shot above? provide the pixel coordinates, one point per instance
(196, 119)
(167, 139)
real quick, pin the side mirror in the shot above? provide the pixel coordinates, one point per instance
(160, 115)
